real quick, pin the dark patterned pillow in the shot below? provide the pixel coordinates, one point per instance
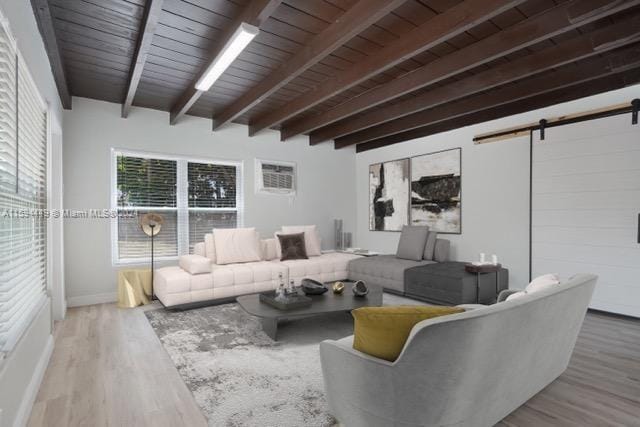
(292, 246)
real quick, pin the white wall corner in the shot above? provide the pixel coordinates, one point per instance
(29, 398)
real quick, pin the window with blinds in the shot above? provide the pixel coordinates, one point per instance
(23, 195)
(193, 197)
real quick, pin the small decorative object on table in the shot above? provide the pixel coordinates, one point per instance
(289, 302)
(338, 287)
(360, 289)
(312, 287)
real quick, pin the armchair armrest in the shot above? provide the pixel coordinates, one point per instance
(195, 264)
(354, 381)
(507, 292)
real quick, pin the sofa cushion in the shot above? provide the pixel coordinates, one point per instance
(430, 246)
(236, 245)
(292, 246)
(516, 295)
(269, 251)
(327, 267)
(538, 284)
(195, 264)
(382, 331)
(383, 270)
(412, 242)
(311, 237)
(199, 249)
(543, 282)
(210, 247)
(441, 250)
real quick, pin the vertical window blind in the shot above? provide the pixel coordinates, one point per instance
(23, 195)
(194, 197)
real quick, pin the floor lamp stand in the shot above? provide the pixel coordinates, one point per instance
(152, 235)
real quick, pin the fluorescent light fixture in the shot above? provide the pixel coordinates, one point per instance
(236, 44)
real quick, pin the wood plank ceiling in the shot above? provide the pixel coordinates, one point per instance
(357, 72)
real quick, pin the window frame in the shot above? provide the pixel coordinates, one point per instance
(182, 208)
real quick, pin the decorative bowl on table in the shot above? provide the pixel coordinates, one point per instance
(312, 287)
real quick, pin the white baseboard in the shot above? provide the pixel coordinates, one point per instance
(30, 394)
(92, 299)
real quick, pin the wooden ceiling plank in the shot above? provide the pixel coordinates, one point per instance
(526, 33)
(147, 30)
(44, 20)
(575, 49)
(588, 70)
(432, 33)
(255, 13)
(582, 90)
(356, 19)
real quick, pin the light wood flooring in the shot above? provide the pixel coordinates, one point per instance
(108, 368)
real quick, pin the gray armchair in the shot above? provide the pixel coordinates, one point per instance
(467, 369)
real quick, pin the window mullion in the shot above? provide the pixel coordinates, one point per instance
(182, 193)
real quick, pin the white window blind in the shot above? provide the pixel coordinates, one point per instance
(23, 195)
(194, 197)
(212, 199)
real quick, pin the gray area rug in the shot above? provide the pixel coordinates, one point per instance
(239, 376)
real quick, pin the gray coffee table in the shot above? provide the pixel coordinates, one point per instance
(322, 304)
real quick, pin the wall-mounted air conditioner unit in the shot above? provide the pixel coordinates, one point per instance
(275, 177)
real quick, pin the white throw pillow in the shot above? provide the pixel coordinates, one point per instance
(311, 237)
(210, 247)
(269, 250)
(541, 283)
(516, 295)
(234, 245)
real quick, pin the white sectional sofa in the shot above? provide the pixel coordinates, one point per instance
(200, 278)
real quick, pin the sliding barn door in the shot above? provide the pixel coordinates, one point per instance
(585, 207)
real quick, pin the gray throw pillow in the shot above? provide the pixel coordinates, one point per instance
(293, 246)
(441, 253)
(412, 241)
(430, 246)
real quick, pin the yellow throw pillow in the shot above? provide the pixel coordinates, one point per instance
(382, 331)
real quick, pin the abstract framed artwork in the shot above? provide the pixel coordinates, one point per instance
(436, 191)
(389, 195)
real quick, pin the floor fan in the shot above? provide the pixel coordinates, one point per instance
(151, 224)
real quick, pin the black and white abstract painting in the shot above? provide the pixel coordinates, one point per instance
(436, 191)
(389, 195)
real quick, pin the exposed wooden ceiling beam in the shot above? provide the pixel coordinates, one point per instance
(568, 93)
(45, 25)
(575, 49)
(440, 28)
(356, 19)
(255, 13)
(147, 30)
(583, 90)
(552, 22)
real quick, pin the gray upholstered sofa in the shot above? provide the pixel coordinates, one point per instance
(388, 270)
(468, 369)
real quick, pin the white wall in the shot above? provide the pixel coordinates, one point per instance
(20, 373)
(325, 181)
(495, 186)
